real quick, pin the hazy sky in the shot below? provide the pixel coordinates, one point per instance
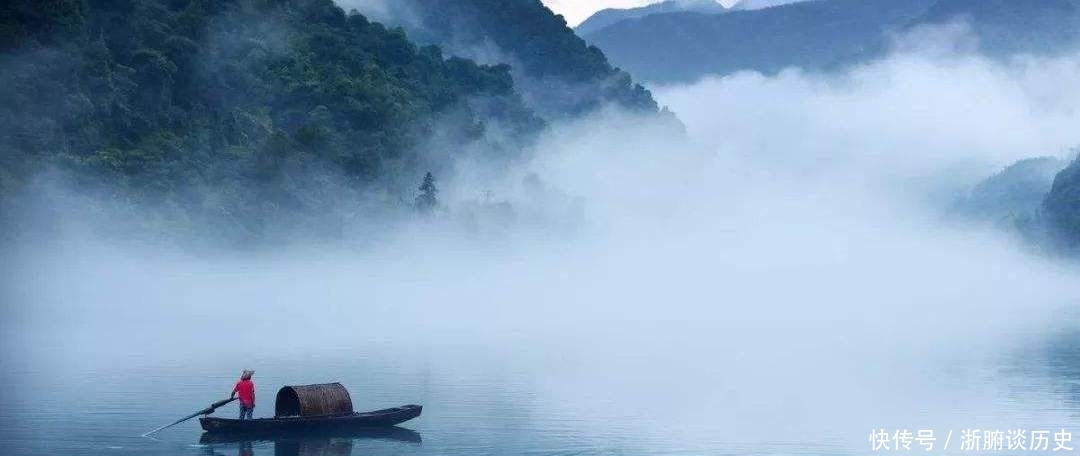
(576, 11)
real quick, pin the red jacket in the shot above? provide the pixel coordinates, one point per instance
(245, 389)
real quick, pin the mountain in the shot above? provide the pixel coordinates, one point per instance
(680, 47)
(242, 115)
(1061, 208)
(558, 74)
(609, 16)
(1015, 195)
(1007, 27)
(749, 5)
(824, 34)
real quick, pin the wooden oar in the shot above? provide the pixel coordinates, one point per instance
(205, 411)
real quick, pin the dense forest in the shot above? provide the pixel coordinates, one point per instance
(557, 73)
(250, 115)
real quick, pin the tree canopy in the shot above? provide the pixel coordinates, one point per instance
(227, 109)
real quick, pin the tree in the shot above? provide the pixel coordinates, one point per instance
(427, 200)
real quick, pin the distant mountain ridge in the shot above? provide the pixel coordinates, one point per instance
(610, 16)
(822, 34)
(685, 46)
(749, 5)
(1006, 27)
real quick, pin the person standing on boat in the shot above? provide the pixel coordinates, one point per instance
(245, 389)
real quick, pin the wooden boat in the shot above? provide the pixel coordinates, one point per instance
(312, 408)
(392, 433)
(378, 418)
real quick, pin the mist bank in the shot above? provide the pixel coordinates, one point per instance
(834, 184)
(857, 135)
(791, 268)
(703, 290)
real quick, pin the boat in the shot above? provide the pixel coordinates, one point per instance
(390, 433)
(378, 418)
(312, 408)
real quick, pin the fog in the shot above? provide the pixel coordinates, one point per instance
(784, 275)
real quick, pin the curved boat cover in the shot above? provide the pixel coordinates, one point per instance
(313, 400)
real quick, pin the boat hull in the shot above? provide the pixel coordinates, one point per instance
(377, 418)
(391, 433)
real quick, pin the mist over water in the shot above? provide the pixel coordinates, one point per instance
(781, 283)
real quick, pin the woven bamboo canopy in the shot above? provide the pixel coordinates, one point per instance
(313, 400)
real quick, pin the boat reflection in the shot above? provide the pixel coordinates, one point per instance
(325, 447)
(338, 443)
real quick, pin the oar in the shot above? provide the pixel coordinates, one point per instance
(205, 411)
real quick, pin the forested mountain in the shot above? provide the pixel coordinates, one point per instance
(823, 34)
(1061, 209)
(1014, 195)
(609, 16)
(236, 113)
(556, 72)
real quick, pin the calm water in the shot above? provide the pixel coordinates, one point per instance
(549, 356)
(485, 399)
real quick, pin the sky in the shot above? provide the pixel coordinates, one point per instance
(577, 11)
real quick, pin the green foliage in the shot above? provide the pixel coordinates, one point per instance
(545, 52)
(223, 109)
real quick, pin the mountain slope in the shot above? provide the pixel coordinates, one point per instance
(678, 47)
(556, 72)
(1061, 208)
(1015, 194)
(239, 114)
(824, 34)
(1006, 27)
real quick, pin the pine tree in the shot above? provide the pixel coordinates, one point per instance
(427, 200)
